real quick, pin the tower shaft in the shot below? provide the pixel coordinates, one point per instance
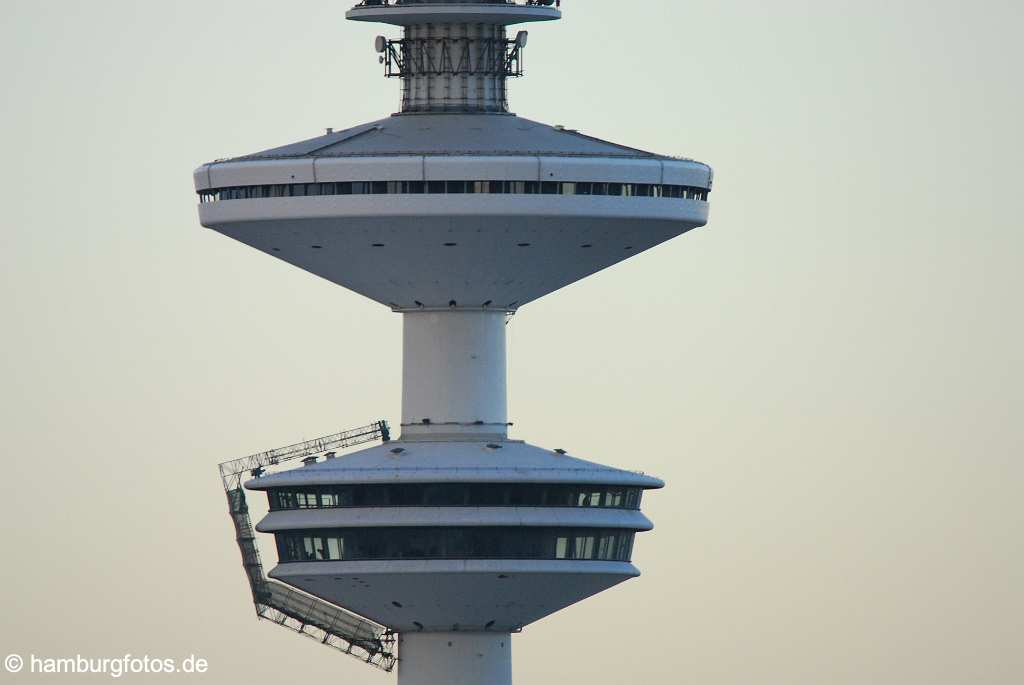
(455, 659)
(454, 67)
(454, 374)
(453, 213)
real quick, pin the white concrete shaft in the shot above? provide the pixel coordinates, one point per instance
(455, 659)
(454, 374)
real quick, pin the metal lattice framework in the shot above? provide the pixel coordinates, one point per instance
(328, 624)
(231, 472)
(454, 56)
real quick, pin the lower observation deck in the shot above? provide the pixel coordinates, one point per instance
(562, 531)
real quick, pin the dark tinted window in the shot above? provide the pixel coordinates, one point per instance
(453, 187)
(455, 495)
(352, 544)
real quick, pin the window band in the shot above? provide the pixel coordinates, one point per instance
(454, 495)
(252, 192)
(379, 544)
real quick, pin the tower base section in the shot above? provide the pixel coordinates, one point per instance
(455, 659)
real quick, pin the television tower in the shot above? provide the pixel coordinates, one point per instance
(454, 213)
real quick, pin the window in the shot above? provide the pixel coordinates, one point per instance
(455, 188)
(614, 498)
(454, 495)
(355, 544)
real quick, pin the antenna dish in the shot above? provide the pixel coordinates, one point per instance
(380, 43)
(521, 38)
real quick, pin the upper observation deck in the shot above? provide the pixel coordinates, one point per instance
(409, 12)
(446, 210)
(454, 202)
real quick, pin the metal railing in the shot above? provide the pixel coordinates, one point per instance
(328, 624)
(231, 471)
(512, 3)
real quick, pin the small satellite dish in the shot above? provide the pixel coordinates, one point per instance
(521, 39)
(380, 44)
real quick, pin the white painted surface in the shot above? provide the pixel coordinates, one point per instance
(264, 171)
(468, 460)
(403, 16)
(452, 167)
(688, 174)
(442, 594)
(600, 170)
(508, 207)
(476, 168)
(201, 177)
(394, 168)
(366, 517)
(455, 659)
(454, 372)
(510, 249)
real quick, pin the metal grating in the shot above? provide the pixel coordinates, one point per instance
(276, 602)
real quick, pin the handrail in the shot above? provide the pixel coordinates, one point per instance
(328, 624)
(231, 471)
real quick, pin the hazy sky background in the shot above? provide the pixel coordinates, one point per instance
(828, 376)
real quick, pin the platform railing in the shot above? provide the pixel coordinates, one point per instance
(513, 3)
(328, 624)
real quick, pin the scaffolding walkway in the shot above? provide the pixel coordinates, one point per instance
(281, 604)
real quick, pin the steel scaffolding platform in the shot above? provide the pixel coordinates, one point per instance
(304, 614)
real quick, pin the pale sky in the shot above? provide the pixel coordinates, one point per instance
(828, 376)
